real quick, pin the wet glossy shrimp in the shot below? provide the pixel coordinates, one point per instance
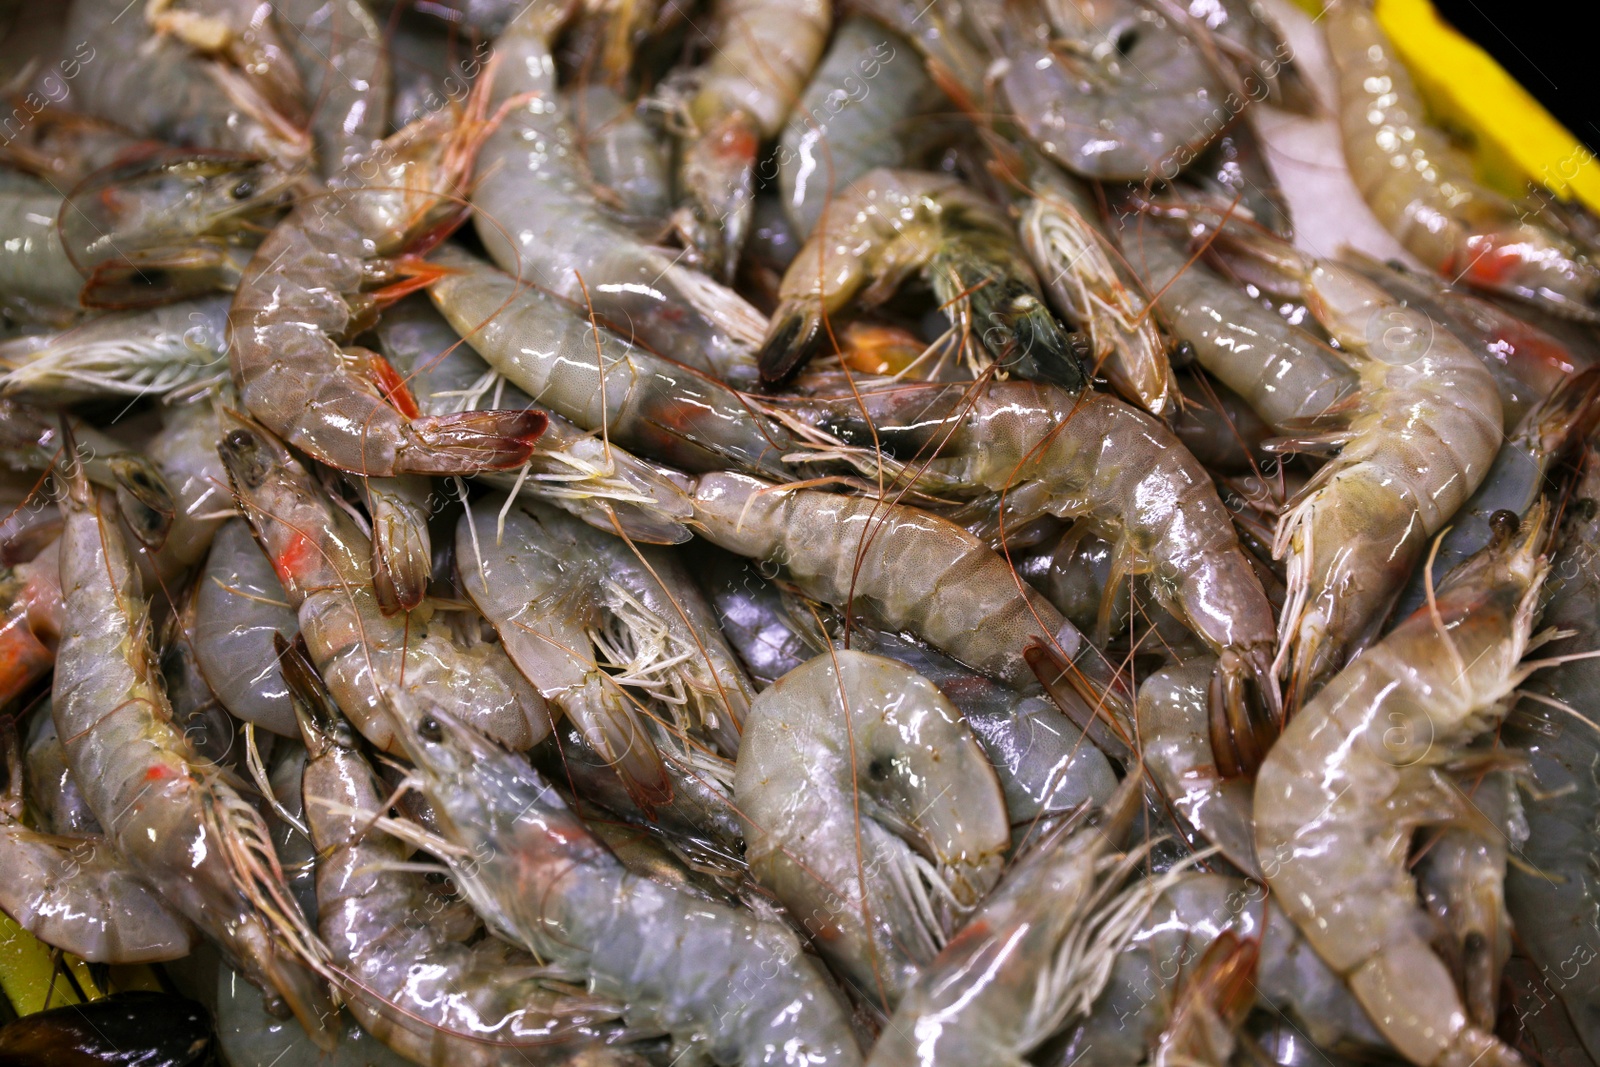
(1111, 89)
(159, 352)
(1416, 441)
(1205, 782)
(306, 294)
(578, 471)
(550, 349)
(540, 221)
(31, 440)
(1366, 763)
(1285, 374)
(566, 599)
(762, 54)
(891, 222)
(1519, 475)
(1073, 258)
(851, 119)
(903, 568)
(406, 972)
(871, 812)
(365, 656)
(1461, 874)
(339, 50)
(175, 821)
(1193, 912)
(402, 548)
(239, 605)
(245, 34)
(73, 892)
(158, 87)
(1044, 765)
(623, 153)
(1101, 462)
(736, 988)
(1423, 190)
(1037, 949)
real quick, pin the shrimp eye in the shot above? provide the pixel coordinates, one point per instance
(1503, 525)
(878, 769)
(429, 729)
(243, 190)
(242, 454)
(1585, 509)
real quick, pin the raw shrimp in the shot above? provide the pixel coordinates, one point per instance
(185, 452)
(245, 34)
(1423, 190)
(1038, 948)
(560, 594)
(1416, 441)
(574, 469)
(157, 87)
(34, 267)
(1218, 428)
(762, 55)
(1366, 763)
(1528, 363)
(1284, 373)
(853, 118)
(303, 297)
(402, 548)
(364, 656)
(537, 216)
(339, 50)
(622, 152)
(871, 812)
(644, 402)
(1461, 873)
(1111, 89)
(405, 971)
(239, 605)
(735, 988)
(891, 222)
(1519, 475)
(31, 440)
(903, 568)
(1073, 258)
(1552, 893)
(176, 821)
(1199, 766)
(165, 351)
(73, 892)
(1093, 459)
(169, 225)
(1044, 766)
(1188, 917)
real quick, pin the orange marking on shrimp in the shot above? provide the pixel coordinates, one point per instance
(295, 556)
(392, 384)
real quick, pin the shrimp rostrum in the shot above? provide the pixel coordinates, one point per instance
(310, 289)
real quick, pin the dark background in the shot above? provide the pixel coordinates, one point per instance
(1551, 48)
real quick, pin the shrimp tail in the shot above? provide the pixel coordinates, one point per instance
(617, 735)
(1245, 711)
(795, 337)
(470, 440)
(1102, 713)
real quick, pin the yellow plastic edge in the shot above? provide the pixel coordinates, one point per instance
(1517, 140)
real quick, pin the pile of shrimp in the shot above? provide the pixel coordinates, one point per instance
(756, 532)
